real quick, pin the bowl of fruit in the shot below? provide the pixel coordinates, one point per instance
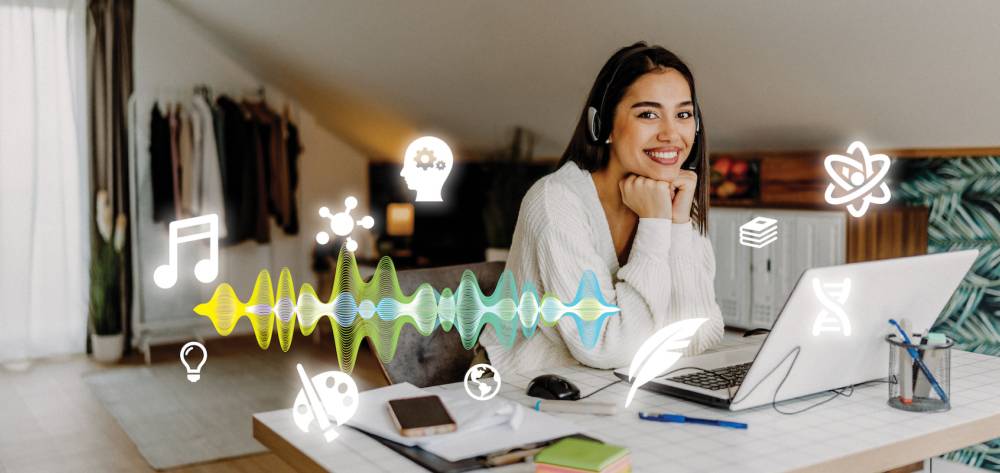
(734, 178)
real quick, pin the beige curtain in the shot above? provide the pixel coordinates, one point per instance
(109, 84)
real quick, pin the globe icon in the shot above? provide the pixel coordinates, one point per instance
(482, 382)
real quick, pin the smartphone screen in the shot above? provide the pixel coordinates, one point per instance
(425, 415)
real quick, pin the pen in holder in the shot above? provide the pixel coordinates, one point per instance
(924, 384)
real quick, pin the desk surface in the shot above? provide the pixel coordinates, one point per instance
(859, 433)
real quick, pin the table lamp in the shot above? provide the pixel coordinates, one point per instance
(399, 220)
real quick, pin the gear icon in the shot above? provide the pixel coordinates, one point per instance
(440, 165)
(425, 159)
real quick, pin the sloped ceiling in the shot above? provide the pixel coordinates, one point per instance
(775, 75)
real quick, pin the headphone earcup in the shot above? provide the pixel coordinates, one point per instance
(697, 118)
(593, 124)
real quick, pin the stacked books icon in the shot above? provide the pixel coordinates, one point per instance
(759, 232)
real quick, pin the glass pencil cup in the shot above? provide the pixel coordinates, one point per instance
(910, 387)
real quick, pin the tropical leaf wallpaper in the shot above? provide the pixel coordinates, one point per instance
(963, 195)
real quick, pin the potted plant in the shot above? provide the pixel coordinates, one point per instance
(106, 337)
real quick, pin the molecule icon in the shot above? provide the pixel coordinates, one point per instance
(858, 179)
(342, 224)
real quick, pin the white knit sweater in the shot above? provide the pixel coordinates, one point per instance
(561, 232)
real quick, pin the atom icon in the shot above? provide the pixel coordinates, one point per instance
(342, 224)
(855, 179)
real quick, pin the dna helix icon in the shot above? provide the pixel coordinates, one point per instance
(832, 296)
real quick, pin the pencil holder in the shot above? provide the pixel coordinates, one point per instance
(924, 384)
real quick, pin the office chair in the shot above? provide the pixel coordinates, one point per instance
(439, 358)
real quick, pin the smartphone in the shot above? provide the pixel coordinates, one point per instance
(419, 416)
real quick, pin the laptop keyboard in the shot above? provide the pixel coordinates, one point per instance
(714, 382)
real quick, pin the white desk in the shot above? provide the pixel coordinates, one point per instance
(860, 433)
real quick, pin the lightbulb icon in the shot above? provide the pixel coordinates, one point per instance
(193, 374)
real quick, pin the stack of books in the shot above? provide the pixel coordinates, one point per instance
(759, 232)
(574, 455)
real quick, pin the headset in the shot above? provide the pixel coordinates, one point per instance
(599, 135)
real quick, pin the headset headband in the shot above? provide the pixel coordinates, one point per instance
(595, 114)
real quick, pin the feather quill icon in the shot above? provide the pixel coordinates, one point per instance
(659, 352)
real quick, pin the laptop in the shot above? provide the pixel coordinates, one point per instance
(829, 334)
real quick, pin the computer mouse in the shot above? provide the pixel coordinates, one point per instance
(550, 386)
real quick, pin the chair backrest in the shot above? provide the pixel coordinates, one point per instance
(440, 357)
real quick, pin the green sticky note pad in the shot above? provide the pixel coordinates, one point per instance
(581, 454)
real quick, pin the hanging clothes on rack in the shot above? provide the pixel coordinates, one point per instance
(292, 150)
(208, 185)
(175, 157)
(272, 149)
(218, 122)
(161, 166)
(185, 147)
(260, 145)
(237, 159)
(245, 194)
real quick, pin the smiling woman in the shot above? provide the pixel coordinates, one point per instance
(628, 202)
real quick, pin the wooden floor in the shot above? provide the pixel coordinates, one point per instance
(51, 422)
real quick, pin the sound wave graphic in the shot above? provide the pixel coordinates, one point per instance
(378, 309)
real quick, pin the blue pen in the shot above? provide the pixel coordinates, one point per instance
(679, 419)
(916, 358)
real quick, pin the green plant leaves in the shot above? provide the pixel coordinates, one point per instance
(963, 195)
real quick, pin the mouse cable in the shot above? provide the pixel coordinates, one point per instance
(602, 388)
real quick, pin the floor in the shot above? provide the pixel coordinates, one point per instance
(50, 421)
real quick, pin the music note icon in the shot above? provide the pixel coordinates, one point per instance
(205, 270)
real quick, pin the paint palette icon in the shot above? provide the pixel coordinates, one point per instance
(331, 394)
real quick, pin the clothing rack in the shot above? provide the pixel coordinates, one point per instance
(159, 316)
(163, 93)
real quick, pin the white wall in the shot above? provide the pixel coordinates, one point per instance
(172, 54)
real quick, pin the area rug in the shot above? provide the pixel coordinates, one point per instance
(174, 422)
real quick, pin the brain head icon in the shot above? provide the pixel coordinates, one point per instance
(426, 165)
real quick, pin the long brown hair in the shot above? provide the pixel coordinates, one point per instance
(623, 68)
